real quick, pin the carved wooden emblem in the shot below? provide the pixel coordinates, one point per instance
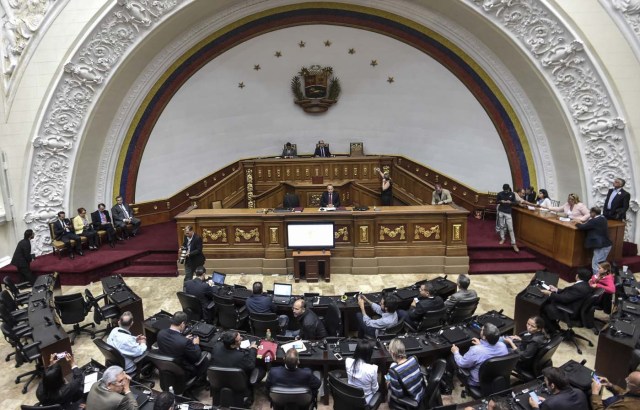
(364, 234)
(248, 235)
(427, 232)
(397, 233)
(321, 89)
(457, 232)
(342, 234)
(216, 235)
(273, 235)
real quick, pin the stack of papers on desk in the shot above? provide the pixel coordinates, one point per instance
(296, 344)
(89, 379)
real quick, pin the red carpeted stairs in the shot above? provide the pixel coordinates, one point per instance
(486, 255)
(153, 264)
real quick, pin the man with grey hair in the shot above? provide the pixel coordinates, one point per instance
(112, 392)
(482, 350)
(617, 201)
(130, 347)
(463, 294)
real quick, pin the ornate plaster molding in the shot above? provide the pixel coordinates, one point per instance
(55, 145)
(626, 15)
(577, 79)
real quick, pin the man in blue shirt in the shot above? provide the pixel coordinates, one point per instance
(481, 351)
(129, 346)
(259, 302)
(386, 309)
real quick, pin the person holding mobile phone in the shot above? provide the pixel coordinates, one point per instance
(623, 399)
(53, 389)
(563, 396)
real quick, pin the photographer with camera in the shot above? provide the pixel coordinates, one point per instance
(190, 253)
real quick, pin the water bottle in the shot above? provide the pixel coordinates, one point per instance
(267, 358)
(268, 335)
(171, 390)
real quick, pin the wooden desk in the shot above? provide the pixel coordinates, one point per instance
(561, 241)
(312, 261)
(403, 237)
(133, 304)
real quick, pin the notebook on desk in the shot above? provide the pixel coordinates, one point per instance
(282, 293)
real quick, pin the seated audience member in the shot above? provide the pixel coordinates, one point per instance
(563, 396)
(441, 196)
(528, 343)
(165, 401)
(322, 150)
(360, 372)
(112, 392)
(573, 208)
(386, 309)
(171, 342)
(571, 296)
(63, 231)
(597, 237)
(123, 215)
(530, 194)
(617, 201)
(330, 198)
(426, 301)
(463, 294)
(521, 196)
(543, 200)
(289, 151)
(622, 399)
(53, 389)
(311, 327)
(482, 350)
(227, 353)
(102, 222)
(199, 288)
(258, 302)
(130, 346)
(83, 227)
(290, 375)
(405, 378)
(604, 278)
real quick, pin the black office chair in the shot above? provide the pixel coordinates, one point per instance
(541, 361)
(108, 313)
(230, 387)
(230, 316)
(73, 309)
(36, 407)
(583, 317)
(20, 297)
(332, 319)
(7, 301)
(347, 397)
(113, 357)
(395, 329)
(462, 311)
(172, 374)
(495, 376)
(291, 398)
(259, 326)
(191, 306)
(12, 320)
(431, 318)
(24, 354)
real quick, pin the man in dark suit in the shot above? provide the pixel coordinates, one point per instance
(227, 353)
(616, 203)
(63, 231)
(22, 257)
(571, 296)
(101, 220)
(597, 238)
(194, 258)
(290, 375)
(322, 150)
(330, 197)
(425, 302)
(563, 396)
(186, 349)
(199, 288)
(259, 302)
(123, 215)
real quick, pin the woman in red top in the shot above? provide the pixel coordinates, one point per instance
(604, 278)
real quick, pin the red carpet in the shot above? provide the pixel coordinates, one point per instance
(153, 252)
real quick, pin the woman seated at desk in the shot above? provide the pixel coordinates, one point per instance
(361, 373)
(574, 209)
(543, 200)
(604, 279)
(528, 343)
(405, 377)
(53, 388)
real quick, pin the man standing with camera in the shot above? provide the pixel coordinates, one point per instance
(191, 252)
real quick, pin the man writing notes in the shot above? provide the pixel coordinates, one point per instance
(102, 222)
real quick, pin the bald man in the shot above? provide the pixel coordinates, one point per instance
(622, 399)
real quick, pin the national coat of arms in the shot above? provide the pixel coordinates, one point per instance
(321, 89)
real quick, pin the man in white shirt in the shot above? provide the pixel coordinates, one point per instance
(130, 346)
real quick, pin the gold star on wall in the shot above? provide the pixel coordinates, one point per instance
(352, 51)
(278, 54)
(302, 44)
(256, 67)
(241, 85)
(327, 43)
(373, 63)
(390, 80)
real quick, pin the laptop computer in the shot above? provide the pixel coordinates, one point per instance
(455, 335)
(631, 308)
(624, 328)
(218, 278)
(282, 293)
(547, 277)
(484, 319)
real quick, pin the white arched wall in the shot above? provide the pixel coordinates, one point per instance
(120, 77)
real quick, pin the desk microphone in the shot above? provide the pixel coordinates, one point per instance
(48, 320)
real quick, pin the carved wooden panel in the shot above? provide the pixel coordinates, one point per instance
(426, 232)
(392, 233)
(247, 234)
(215, 234)
(341, 233)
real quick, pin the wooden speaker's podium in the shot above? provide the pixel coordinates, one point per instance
(312, 264)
